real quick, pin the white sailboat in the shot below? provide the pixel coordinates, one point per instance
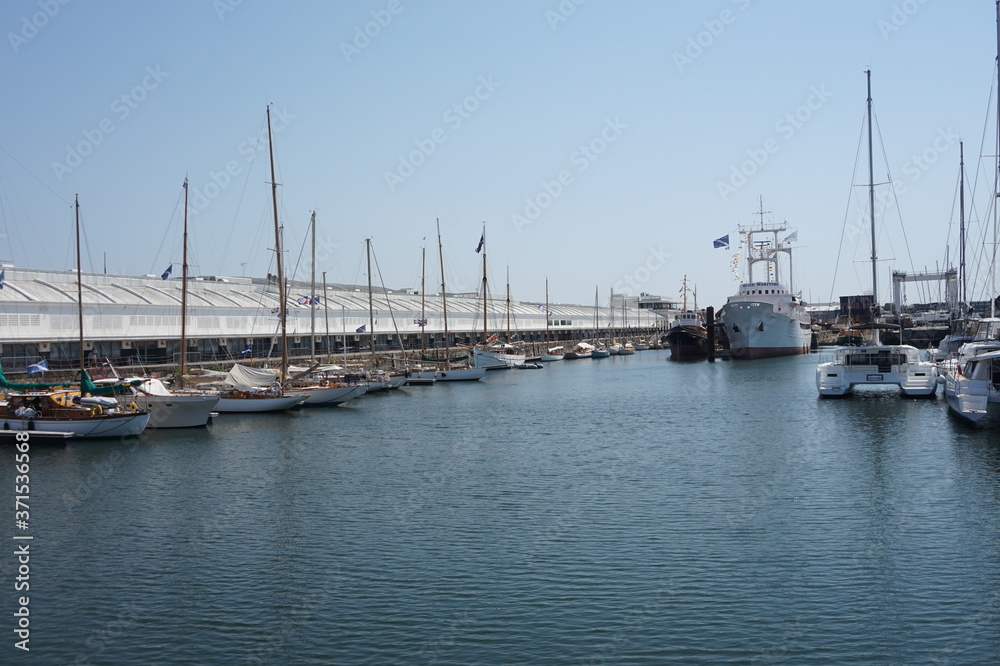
(261, 390)
(491, 353)
(447, 373)
(972, 382)
(557, 352)
(874, 363)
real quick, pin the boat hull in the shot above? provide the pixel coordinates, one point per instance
(495, 360)
(687, 343)
(760, 329)
(330, 396)
(94, 427)
(268, 404)
(180, 411)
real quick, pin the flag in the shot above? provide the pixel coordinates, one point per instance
(166, 273)
(792, 237)
(41, 366)
(721, 242)
(482, 241)
(247, 351)
(315, 300)
(2, 272)
(360, 329)
(302, 300)
(420, 322)
(493, 338)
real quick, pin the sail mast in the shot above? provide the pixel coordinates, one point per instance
(326, 315)
(79, 284)
(871, 207)
(961, 225)
(312, 294)
(996, 182)
(423, 294)
(508, 305)
(184, 282)
(282, 308)
(444, 300)
(485, 331)
(547, 310)
(371, 306)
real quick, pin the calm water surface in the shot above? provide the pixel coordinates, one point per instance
(616, 511)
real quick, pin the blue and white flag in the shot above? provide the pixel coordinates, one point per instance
(166, 273)
(420, 322)
(249, 349)
(2, 274)
(721, 242)
(41, 366)
(482, 241)
(302, 300)
(315, 300)
(360, 329)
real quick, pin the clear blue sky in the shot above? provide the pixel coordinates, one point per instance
(618, 120)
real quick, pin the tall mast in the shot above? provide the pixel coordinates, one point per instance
(597, 309)
(79, 284)
(485, 331)
(184, 283)
(961, 225)
(423, 294)
(508, 305)
(312, 294)
(871, 207)
(684, 289)
(282, 306)
(547, 310)
(444, 299)
(996, 182)
(371, 306)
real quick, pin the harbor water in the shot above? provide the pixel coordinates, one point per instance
(627, 510)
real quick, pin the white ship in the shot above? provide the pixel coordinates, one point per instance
(765, 318)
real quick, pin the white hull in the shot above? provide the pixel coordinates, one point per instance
(763, 328)
(179, 411)
(456, 375)
(549, 358)
(495, 360)
(108, 425)
(882, 365)
(269, 404)
(330, 395)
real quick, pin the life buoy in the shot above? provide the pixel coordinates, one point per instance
(98, 410)
(274, 388)
(134, 407)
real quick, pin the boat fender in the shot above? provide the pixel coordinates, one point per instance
(98, 410)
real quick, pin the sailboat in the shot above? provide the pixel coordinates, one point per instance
(56, 410)
(418, 376)
(551, 353)
(261, 390)
(874, 363)
(688, 337)
(447, 373)
(489, 353)
(172, 408)
(972, 384)
(599, 350)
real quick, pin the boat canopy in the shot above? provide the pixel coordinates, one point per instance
(243, 377)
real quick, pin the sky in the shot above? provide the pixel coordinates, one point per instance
(605, 145)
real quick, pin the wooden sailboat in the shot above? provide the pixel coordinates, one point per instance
(418, 376)
(253, 390)
(599, 350)
(56, 410)
(489, 353)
